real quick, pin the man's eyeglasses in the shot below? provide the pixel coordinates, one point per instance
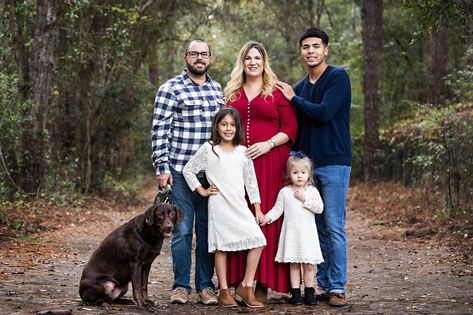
(298, 154)
(195, 54)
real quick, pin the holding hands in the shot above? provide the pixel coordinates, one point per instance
(259, 216)
(264, 220)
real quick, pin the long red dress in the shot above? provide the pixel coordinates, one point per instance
(262, 119)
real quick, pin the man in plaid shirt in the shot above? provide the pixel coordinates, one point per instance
(183, 111)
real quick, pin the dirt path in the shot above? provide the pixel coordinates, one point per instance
(387, 274)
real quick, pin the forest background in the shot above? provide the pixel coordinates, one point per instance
(78, 80)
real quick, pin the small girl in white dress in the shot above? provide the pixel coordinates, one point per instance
(298, 241)
(232, 225)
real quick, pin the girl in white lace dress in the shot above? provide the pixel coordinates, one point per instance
(298, 241)
(232, 225)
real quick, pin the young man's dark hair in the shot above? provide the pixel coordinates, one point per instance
(314, 32)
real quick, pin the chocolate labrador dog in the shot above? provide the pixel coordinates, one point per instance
(126, 255)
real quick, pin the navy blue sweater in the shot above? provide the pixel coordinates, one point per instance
(323, 116)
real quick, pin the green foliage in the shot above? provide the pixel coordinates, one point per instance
(460, 81)
(125, 189)
(10, 107)
(434, 150)
(11, 121)
(432, 14)
(110, 59)
(403, 70)
(61, 182)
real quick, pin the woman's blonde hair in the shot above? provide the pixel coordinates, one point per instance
(238, 76)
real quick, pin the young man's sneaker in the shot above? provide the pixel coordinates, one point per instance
(180, 296)
(338, 299)
(208, 297)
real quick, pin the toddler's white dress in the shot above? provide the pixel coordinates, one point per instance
(232, 225)
(298, 241)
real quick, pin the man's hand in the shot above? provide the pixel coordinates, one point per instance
(285, 89)
(163, 180)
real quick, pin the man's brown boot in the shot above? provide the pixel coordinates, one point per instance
(338, 299)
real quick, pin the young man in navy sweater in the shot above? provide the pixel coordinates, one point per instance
(322, 101)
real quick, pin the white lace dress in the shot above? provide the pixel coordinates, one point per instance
(232, 226)
(298, 241)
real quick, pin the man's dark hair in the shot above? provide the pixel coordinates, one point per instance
(314, 32)
(198, 40)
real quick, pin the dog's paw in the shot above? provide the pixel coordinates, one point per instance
(140, 305)
(145, 304)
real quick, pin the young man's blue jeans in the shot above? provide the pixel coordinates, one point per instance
(332, 182)
(193, 205)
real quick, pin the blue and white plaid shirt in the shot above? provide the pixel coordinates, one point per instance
(182, 119)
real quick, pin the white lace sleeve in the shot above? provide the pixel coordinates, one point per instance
(251, 185)
(196, 164)
(278, 208)
(313, 201)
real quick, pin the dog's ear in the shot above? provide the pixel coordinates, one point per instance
(149, 214)
(179, 215)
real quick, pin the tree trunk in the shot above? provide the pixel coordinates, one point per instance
(372, 37)
(19, 50)
(437, 67)
(32, 163)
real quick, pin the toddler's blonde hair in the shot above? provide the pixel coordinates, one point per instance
(295, 160)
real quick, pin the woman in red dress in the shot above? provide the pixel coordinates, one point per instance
(270, 127)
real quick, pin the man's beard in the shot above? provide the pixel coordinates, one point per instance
(195, 71)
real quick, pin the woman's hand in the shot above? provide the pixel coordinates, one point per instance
(258, 149)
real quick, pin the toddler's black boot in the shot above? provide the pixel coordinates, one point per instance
(309, 296)
(296, 298)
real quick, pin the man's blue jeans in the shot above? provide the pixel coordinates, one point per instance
(332, 182)
(194, 206)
